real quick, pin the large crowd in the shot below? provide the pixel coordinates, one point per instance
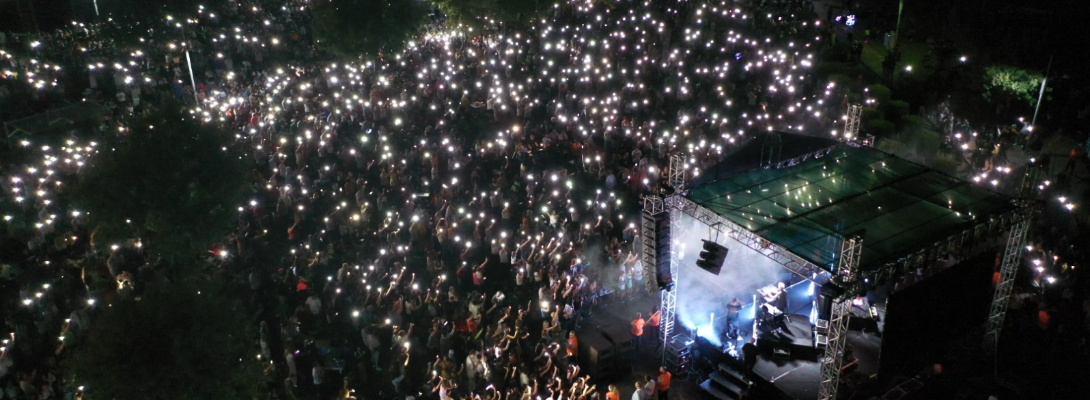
(435, 222)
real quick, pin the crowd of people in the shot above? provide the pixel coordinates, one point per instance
(435, 222)
(441, 217)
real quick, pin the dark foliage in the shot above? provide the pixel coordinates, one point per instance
(167, 180)
(354, 28)
(182, 341)
(474, 13)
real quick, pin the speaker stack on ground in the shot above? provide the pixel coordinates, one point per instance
(678, 354)
(624, 344)
(596, 354)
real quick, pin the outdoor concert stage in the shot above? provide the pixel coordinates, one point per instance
(841, 226)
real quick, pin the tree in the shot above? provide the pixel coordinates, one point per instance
(182, 341)
(354, 28)
(473, 12)
(1006, 83)
(167, 180)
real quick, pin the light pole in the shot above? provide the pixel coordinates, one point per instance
(188, 61)
(897, 32)
(1041, 94)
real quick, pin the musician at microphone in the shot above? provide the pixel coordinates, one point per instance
(779, 299)
(733, 309)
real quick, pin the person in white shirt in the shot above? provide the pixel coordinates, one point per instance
(443, 388)
(650, 386)
(471, 368)
(640, 393)
(315, 304)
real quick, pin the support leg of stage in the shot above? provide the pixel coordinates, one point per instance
(850, 253)
(1012, 259)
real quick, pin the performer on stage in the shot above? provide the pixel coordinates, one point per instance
(733, 309)
(780, 299)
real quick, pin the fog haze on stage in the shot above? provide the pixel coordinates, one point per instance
(701, 293)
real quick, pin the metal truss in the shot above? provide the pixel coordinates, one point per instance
(678, 167)
(851, 252)
(790, 261)
(653, 204)
(851, 127)
(1029, 181)
(804, 157)
(668, 298)
(652, 207)
(1012, 260)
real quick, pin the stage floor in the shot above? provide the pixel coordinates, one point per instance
(801, 379)
(795, 379)
(799, 334)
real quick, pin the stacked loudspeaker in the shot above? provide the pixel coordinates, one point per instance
(656, 251)
(712, 258)
(678, 354)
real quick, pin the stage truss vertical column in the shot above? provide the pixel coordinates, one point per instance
(851, 251)
(676, 179)
(1012, 260)
(668, 298)
(851, 126)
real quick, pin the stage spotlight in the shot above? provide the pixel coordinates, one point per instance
(712, 258)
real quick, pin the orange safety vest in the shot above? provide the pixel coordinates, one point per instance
(664, 381)
(637, 326)
(573, 345)
(656, 319)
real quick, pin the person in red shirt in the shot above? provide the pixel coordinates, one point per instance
(613, 393)
(664, 383)
(637, 329)
(572, 345)
(471, 325)
(654, 322)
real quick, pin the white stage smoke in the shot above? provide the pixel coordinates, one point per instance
(700, 293)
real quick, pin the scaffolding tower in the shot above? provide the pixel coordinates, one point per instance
(851, 252)
(1012, 260)
(668, 298)
(851, 127)
(676, 179)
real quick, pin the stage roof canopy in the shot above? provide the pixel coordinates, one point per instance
(902, 206)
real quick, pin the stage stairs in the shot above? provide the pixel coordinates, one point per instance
(726, 383)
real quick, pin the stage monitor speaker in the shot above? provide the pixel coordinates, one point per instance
(622, 339)
(712, 258)
(596, 353)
